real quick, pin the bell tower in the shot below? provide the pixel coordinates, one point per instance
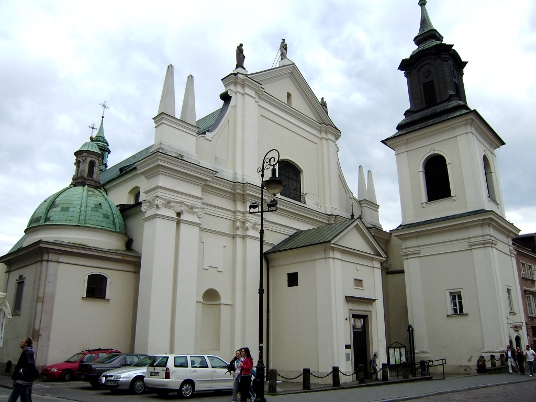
(459, 266)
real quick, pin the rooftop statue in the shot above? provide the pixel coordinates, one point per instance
(283, 49)
(240, 57)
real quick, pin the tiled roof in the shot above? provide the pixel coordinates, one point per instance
(124, 166)
(441, 219)
(205, 123)
(304, 238)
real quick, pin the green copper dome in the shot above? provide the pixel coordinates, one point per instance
(79, 206)
(89, 146)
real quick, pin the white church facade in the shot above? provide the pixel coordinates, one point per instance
(159, 253)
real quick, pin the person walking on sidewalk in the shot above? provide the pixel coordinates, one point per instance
(520, 358)
(530, 354)
(511, 359)
(25, 373)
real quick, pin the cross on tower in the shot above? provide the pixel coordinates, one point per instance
(93, 128)
(104, 107)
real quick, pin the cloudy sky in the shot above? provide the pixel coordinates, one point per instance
(60, 59)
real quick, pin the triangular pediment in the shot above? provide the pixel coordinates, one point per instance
(287, 79)
(357, 237)
(351, 235)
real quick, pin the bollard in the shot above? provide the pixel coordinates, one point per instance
(405, 371)
(272, 378)
(385, 372)
(336, 377)
(422, 363)
(502, 359)
(306, 378)
(493, 361)
(361, 374)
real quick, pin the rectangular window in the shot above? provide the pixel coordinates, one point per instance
(523, 270)
(530, 304)
(358, 283)
(456, 302)
(18, 295)
(510, 300)
(292, 279)
(530, 272)
(96, 286)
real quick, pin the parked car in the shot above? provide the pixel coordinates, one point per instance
(92, 371)
(126, 378)
(187, 374)
(66, 370)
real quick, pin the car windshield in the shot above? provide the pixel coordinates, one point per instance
(144, 362)
(74, 358)
(107, 359)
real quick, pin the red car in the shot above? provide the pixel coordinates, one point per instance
(66, 370)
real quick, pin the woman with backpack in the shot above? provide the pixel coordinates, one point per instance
(234, 367)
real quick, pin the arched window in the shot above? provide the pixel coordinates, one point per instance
(137, 197)
(291, 176)
(96, 286)
(91, 169)
(489, 179)
(436, 176)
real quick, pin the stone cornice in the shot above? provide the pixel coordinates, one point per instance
(174, 122)
(42, 246)
(162, 163)
(181, 208)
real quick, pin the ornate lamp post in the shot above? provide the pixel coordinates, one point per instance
(273, 186)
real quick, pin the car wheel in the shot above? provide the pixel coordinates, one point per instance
(67, 375)
(95, 384)
(137, 386)
(186, 390)
(162, 394)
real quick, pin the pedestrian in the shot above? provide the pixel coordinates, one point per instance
(236, 362)
(25, 372)
(245, 374)
(520, 358)
(530, 354)
(374, 366)
(511, 359)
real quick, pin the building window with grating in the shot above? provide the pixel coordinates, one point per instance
(436, 176)
(510, 300)
(456, 303)
(292, 279)
(19, 290)
(96, 286)
(291, 176)
(430, 98)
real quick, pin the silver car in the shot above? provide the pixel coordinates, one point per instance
(126, 378)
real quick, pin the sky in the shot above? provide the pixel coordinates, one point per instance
(60, 59)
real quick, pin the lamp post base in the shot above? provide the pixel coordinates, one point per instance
(258, 383)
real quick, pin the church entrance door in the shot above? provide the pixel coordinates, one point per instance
(359, 342)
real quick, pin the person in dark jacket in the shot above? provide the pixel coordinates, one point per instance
(520, 358)
(24, 373)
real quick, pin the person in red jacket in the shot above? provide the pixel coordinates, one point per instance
(245, 375)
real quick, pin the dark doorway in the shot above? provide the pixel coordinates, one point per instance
(518, 342)
(359, 332)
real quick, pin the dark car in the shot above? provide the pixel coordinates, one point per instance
(92, 371)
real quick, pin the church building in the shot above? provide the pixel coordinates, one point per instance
(160, 252)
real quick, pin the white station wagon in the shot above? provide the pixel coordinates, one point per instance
(187, 374)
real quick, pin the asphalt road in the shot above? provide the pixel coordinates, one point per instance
(518, 391)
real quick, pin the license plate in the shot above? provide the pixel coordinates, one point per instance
(111, 382)
(154, 373)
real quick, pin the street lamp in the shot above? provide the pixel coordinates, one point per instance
(273, 186)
